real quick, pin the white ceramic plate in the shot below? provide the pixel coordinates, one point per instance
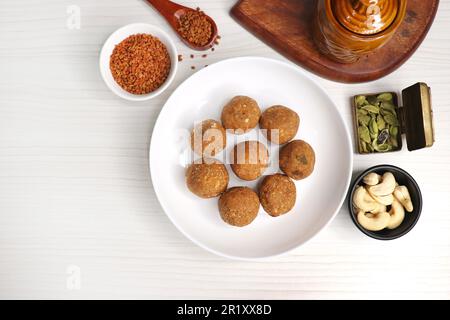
(270, 82)
(120, 35)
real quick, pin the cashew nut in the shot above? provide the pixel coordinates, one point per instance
(386, 186)
(379, 194)
(363, 201)
(380, 208)
(384, 200)
(373, 222)
(401, 193)
(397, 214)
(372, 179)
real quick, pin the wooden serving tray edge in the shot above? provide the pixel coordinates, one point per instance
(311, 64)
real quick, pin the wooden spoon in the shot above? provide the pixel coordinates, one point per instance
(173, 11)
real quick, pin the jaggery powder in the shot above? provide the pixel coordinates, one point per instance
(140, 64)
(195, 27)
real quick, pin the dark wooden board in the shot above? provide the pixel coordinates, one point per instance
(286, 26)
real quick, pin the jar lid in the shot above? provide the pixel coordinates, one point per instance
(417, 116)
(365, 17)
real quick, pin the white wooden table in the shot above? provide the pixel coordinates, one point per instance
(78, 214)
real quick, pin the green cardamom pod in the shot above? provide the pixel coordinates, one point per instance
(371, 108)
(360, 101)
(391, 119)
(385, 147)
(385, 97)
(372, 100)
(373, 136)
(394, 142)
(388, 106)
(364, 134)
(380, 122)
(361, 112)
(383, 136)
(363, 147)
(393, 131)
(364, 120)
(373, 126)
(385, 112)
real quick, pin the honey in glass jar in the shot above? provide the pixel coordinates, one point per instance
(345, 30)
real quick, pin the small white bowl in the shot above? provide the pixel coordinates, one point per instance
(118, 36)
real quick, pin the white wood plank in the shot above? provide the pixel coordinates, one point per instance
(75, 189)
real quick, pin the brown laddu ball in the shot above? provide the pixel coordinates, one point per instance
(208, 138)
(297, 159)
(280, 124)
(239, 206)
(249, 160)
(241, 114)
(207, 178)
(277, 194)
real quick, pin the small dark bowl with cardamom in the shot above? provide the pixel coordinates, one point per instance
(403, 178)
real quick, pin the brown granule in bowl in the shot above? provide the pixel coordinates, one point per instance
(195, 27)
(140, 64)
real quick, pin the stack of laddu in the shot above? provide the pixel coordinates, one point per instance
(208, 177)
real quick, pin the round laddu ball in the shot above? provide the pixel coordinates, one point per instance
(277, 194)
(207, 178)
(280, 124)
(297, 159)
(249, 160)
(208, 138)
(239, 206)
(241, 114)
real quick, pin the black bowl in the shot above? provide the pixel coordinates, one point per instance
(404, 179)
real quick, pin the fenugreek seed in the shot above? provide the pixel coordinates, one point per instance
(195, 27)
(140, 64)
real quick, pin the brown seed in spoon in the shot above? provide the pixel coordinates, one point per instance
(195, 27)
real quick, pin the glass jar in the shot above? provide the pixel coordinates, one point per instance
(345, 30)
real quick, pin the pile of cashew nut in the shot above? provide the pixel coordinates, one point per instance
(381, 203)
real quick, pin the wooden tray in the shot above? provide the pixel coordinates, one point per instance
(286, 26)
